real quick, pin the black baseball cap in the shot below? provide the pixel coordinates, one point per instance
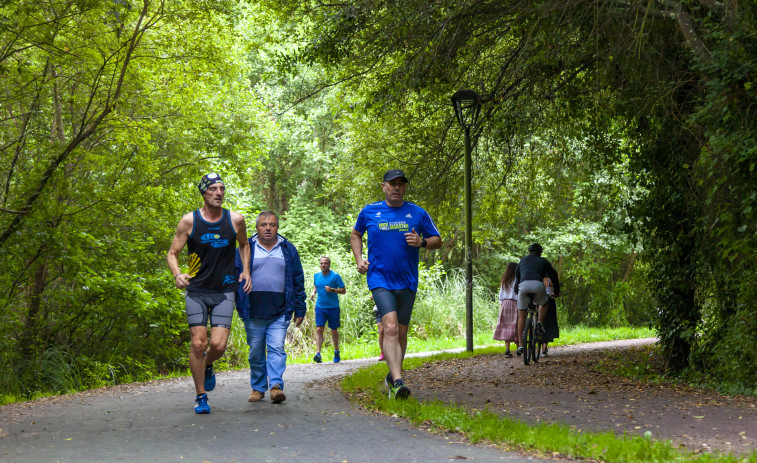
(394, 174)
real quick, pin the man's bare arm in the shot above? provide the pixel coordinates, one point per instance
(356, 242)
(181, 279)
(434, 242)
(244, 250)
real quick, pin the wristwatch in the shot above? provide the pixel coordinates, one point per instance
(423, 243)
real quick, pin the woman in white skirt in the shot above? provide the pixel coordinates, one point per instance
(507, 324)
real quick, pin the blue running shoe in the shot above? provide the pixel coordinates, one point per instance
(388, 381)
(317, 358)
(337, 358)
(399, 390)
(201, 404)
(210, 378)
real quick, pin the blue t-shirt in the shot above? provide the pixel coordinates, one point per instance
(393, 263)
(327, 300)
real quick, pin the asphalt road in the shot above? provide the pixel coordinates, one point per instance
(156, 422)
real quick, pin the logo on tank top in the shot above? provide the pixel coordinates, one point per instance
(400, 226)
(229, 279)
(214, 240)
(194, 264)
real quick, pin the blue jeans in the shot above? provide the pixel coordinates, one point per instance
(267, 369)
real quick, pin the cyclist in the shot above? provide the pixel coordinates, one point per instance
(529, 279)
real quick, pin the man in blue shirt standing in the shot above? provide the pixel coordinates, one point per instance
(278, 293)
(328, 285)
(396, 229)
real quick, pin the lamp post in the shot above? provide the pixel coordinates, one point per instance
(467, 104)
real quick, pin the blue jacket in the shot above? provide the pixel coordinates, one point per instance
(294, 281)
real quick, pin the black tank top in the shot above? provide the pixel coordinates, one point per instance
(212, 249)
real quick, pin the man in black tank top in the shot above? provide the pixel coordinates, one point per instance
(211, 234)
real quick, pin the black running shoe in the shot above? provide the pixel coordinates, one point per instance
(399, 390)
(388, 381)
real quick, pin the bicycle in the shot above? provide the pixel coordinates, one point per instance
(533, 333)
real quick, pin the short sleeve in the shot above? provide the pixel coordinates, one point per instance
(428, 227)
(360, 222)
(339, 282)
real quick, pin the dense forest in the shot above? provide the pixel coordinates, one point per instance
(619, 134)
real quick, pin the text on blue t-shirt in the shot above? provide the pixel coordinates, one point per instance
(393, 264)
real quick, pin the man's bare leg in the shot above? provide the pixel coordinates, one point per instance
(318, 338)
(334, 339)
(403, 339)
(199, 336)
(219, 337)
(393, 352)
(521, 326)
(542, 312)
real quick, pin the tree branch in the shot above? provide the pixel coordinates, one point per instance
(11, 211)
(86, 130)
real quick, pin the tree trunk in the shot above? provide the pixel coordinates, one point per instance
(29, 336)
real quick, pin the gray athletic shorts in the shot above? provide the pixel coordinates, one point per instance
(218, 306)
(395, 300)
(531, 286)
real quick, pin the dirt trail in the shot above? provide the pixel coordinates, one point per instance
(565, 388)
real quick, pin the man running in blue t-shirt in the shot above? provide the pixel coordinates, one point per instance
(396, 230)
(327, 285)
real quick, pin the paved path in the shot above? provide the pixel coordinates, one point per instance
(156, 422)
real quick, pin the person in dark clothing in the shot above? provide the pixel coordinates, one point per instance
(529, 280)
(211, 234)
(551, 329)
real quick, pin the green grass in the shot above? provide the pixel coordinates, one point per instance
(366, 387)
(368, 347)
(235, 358)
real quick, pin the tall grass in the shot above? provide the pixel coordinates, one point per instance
(438, 314)
(438, 321)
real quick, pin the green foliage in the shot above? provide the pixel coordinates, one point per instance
(627, 147)
(317, 229)
(108, 122)
(632, 118)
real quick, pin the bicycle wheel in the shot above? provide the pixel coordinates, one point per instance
(528, 337)
(532, 340)
(537, 350)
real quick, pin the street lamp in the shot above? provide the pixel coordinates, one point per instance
(467, 104)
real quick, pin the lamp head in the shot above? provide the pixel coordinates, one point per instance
(467, 104)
